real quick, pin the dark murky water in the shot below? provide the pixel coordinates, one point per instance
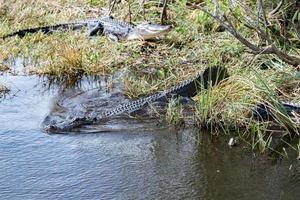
(141, 164)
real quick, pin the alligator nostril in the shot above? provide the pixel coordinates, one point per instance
(170, 27)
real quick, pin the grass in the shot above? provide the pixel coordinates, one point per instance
(3, 90)
(46, 55)
(174, 113)
(195, 42)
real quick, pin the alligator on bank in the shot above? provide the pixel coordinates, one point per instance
(187, 89)
(116, 30)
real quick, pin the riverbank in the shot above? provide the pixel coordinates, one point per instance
(195, 42)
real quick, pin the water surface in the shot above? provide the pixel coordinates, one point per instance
(139, 163)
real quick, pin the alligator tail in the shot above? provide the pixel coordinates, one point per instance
(47, 29)
(210, 77)
(263, 111)
(291, 107)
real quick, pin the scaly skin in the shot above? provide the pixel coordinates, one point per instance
(116, 30)
(262, 111)
(187, 89)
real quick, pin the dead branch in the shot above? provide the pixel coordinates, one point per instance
(250, 26)
(273, 12)
(223, 20)
(261, 14)
(250, 14)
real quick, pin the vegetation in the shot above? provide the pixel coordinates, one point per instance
(197, 40)
(3, 90)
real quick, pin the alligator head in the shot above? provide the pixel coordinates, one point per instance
(147, 31)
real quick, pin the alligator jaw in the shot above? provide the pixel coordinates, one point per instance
(148, 31)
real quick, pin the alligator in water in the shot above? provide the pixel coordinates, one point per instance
(82, 109)
(116, 30)
(186, 89)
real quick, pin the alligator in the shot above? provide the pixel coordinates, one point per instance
(263, 111)
(113, 107)
(187, 89)
(116, 30)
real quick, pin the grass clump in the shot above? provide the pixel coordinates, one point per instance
(175, 113)
(231, 106)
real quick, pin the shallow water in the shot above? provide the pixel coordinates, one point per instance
(158, 163)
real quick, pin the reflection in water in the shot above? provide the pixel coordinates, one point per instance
(235, 174)
(141, 164)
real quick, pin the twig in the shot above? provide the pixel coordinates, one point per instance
(232, 3)
(261, 13)
(142, 5)
(273, 12)
(129, 10)
(229, 27)
(271, 49)
(257, 28)
(164, 15)
(249, 11)
(217, 7)
(111, 7)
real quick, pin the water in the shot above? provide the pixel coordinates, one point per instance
(163, 163)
